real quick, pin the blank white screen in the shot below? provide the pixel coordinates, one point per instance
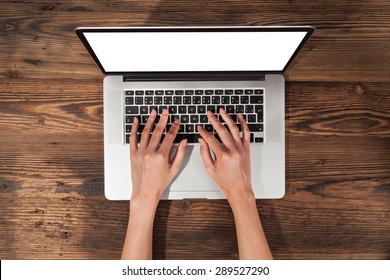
(194, 51)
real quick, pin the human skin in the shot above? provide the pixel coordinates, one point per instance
(153, 170)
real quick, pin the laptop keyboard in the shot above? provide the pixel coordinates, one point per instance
(191, 106)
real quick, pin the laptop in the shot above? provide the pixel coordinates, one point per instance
(190, 70)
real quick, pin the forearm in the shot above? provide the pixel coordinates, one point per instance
(139, 235)
(252, 243)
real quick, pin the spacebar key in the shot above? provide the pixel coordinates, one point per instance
(191, 138)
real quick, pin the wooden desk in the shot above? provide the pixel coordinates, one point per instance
(337, 203)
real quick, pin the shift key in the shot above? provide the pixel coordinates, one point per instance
(255, 127)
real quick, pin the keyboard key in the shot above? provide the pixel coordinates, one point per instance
(172, 110)
(181, 128)
(191, 109)
(130, 119)
(259, 112)
(148, 100)
(201, 109)
(179, 92)
(198, 92)
(144, 110)
(249, 91)
(240, 109)
(219, 92)
(210, 91)
(151, 108)
(196, 100)
(132, 110)
(187, 100)
(208, 127)
(159, 92)
(129, 92)
(189, 92)
(158, 100)
(234, 118)
(182, 109)
(127, 138)
(211, 108)
(238, 91)
(167, 100)
(225, 99)
(255, 127)
(194, 118)
(248, 109)
(219, 107)
(229, 91)
(129, 101)
(190, 128)
(139, 92)
(258, 91)
(235, 99)
(230, 109)
(256, 99)
(145, 118)
(259, 140)
(185, 119)
(169, 92)
(177, 100)
(245, 117)
(251, 118)
(149, 92)
(244, 99)
(128, 128)
(139, 101)
(174, 117)
(204, 119)
(215, 100)
(252, 137)
(141, 128)
(161, 108)
(206, 100)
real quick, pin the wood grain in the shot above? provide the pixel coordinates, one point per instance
(337, 203)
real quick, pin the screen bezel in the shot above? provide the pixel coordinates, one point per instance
(169, 74)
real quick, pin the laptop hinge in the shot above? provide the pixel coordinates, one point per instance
(194, 76)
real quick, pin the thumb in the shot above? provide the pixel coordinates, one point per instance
(178, 157)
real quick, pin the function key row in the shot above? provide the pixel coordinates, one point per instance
(196, 92)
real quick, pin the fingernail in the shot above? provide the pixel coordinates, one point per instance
(199, 127)
(209, 113)
(177, 121)
(222, 110)
(165, 112)
(153, 112)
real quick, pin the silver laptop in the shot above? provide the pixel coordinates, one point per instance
(190, 70)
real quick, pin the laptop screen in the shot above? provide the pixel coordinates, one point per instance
(264, 50)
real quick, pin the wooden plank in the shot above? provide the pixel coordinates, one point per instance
(52, 203)
(348, 42)
(337, 135)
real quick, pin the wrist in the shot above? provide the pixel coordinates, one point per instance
(241, 199)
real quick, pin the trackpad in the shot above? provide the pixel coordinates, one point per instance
(192, 176)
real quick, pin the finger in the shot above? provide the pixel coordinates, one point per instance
(133, 137)
(234, 132)
(170, 136)
(246, 134)
(207, 159)
(159, 130)
(145, 136)
(214, 144)
(178, 157)
(220, 129)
